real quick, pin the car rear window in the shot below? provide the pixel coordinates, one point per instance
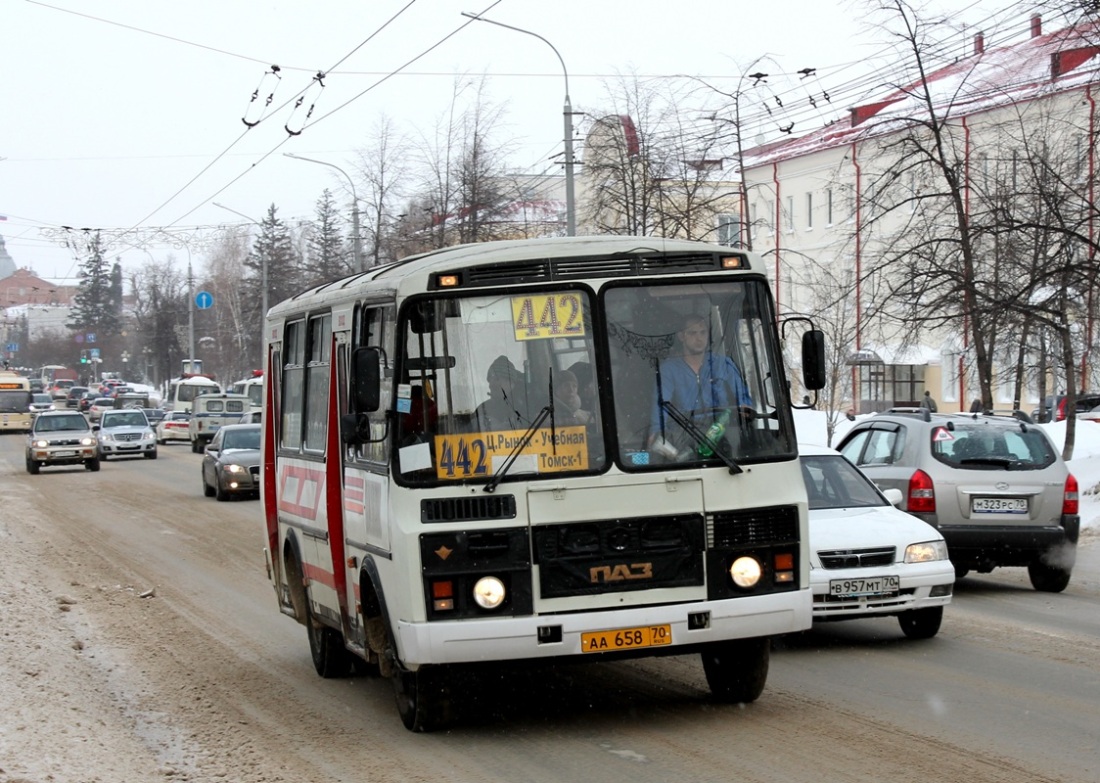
(978, 447)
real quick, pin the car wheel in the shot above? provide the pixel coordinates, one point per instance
(92, 464)
(326, 647)
(196, 446)
(1046, 578)
(219, 491)
(207, 490)
(921, 623)
(961, 571)
(32, 467)
(737, 670)
(151, 454)
(161, 442)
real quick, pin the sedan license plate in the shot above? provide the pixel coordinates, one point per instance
(998, 505)
(874, 585)
(64, 453)
(626, 638)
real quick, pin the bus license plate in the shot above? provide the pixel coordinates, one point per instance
(626, 638)
(877, 585)
(998, 505)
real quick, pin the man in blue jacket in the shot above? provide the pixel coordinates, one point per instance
(698, 383)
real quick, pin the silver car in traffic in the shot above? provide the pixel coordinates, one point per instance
(994, 485)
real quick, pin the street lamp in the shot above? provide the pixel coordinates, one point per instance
(567, 119)
(263, 274)
(356, 239)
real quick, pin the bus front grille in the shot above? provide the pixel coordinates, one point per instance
(614, 555)
(753, 527)
(468, 509)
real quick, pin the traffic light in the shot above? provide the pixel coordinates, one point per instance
(83, 357)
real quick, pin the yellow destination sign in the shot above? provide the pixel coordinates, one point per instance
(543, 316)
(472, 455)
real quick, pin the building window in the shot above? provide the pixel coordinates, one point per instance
(809, 210)
(828, 206)
(729, 231)
(789, 218)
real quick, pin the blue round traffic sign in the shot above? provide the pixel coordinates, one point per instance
(204, 300)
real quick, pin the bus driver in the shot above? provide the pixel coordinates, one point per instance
(698, 383)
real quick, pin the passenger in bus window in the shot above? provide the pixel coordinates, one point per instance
(504, 410)
(567, 401)
(699, 383)
(586, 385)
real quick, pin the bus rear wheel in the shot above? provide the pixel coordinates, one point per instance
(326, 648)
(423, 697)
(736, 670)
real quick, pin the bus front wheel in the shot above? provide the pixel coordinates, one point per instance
(736, 670)
(423, 697)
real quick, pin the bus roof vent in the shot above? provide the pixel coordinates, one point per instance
(545, 270)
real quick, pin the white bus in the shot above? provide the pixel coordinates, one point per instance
(183, 390)
(413, 527)
(253, 386)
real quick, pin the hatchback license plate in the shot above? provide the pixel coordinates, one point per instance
(626, 638)
(998, 505)
(875, 585)
(64, 453)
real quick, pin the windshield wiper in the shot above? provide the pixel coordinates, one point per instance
(494, 482)
(699, 436)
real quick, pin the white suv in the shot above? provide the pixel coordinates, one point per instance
(126, 432)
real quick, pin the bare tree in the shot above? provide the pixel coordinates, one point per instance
(383, 170)
(225, 270)
(653, 165)
(160, 305)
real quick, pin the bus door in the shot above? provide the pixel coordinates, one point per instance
(366, 463)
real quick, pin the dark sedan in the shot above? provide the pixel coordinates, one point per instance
(231, 462)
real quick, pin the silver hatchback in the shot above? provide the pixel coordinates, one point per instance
(993, 485)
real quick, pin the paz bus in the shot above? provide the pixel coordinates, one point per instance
(410, 530)
(15, 402)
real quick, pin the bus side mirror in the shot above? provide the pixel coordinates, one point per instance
(813, 359)
(366, 379)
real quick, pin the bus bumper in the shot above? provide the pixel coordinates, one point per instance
(560, 635)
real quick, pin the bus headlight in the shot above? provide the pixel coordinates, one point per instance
(745, 571)
(489, 592)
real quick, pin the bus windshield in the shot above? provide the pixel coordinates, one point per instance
(559, 381)
(15, 401)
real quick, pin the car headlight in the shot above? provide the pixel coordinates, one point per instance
(489, 592)
(235, 469)
(926, 552)
(87, 441)
(40, 444)
(746, 571)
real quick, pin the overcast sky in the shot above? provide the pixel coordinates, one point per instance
(128, 113)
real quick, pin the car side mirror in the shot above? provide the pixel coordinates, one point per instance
(894, 496)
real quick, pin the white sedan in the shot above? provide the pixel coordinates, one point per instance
(869, 559)
(174, 426)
